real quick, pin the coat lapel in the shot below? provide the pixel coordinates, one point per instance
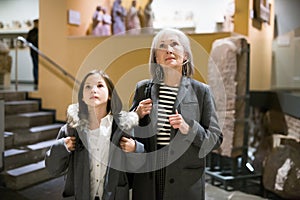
(185, 82)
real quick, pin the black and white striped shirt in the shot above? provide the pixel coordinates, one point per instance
(167, 98)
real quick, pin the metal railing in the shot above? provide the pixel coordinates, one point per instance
(30, 45)
(1, 135)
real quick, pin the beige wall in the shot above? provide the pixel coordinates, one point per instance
(125, 57)
(260, 37)
(241, 17)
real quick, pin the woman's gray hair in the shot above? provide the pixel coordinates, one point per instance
(188, 66)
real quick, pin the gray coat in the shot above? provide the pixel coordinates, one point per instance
(186, 153)
(75, 164)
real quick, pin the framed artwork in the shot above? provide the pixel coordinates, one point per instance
(262, 10)
(74, 17)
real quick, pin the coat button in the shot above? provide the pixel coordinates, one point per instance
(171, 180)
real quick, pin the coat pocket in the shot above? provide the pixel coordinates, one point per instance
(122, 192)
(190, 111)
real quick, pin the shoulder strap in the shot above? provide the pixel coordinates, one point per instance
(147, 91)
(73, 132)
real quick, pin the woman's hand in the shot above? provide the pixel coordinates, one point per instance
(127, 144)
(144, 108)
(177, 122)
(70, 143)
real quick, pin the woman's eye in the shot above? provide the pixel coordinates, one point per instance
(100, 85)
(162, 46)
(87, 86)
(173, 44)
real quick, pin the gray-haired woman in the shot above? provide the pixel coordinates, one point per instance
(177, 123)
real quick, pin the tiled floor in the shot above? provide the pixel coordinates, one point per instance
(52, 190)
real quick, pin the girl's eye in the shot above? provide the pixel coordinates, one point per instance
(87, 86)
(100, 85)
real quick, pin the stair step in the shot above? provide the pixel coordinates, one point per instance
(13, 95)
(12, 152)
(8, 139)
(46, 127)
(25, 155)
(36, 134)
(42, 145)
(15, 107)
(26, 176)
(26, 120)
(29, 133)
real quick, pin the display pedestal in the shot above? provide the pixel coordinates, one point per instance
(5, 80)
(229, 173)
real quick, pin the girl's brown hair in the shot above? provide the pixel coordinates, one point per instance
(114, 104)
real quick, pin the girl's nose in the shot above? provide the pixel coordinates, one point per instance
(94, 88)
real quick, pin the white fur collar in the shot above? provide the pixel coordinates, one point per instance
(127, 120)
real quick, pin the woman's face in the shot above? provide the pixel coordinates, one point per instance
(95, 91)
(170, 52)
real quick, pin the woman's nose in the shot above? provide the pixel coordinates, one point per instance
(170, 49)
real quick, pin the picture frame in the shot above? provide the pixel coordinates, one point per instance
(262, 10)
(74, 17)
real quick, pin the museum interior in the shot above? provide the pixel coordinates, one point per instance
(247, 51)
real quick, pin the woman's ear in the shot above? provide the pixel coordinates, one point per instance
(185, 57)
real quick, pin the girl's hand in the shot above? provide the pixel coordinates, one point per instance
(144, 108)
(70, 143)
(177, 122)
(127, 144)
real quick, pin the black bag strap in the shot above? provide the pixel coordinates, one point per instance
(147, 91)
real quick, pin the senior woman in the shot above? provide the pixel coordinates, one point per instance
(178, 124)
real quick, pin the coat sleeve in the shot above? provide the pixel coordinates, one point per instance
(139, 95)
(206, 134)
(57, 157)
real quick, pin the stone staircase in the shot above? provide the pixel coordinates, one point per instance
(29, 132)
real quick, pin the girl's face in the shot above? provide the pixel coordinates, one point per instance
(170, 52)
(95, 91)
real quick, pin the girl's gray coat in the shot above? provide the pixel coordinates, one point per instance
(75, 165)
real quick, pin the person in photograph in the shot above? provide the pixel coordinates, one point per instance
(97, 135)
(133, 20)
(97, 21)
(148, 17)
(106, 23)
(178, 124)
(118, 17)
(33, 38)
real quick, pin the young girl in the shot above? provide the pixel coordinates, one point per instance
(87, 143)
